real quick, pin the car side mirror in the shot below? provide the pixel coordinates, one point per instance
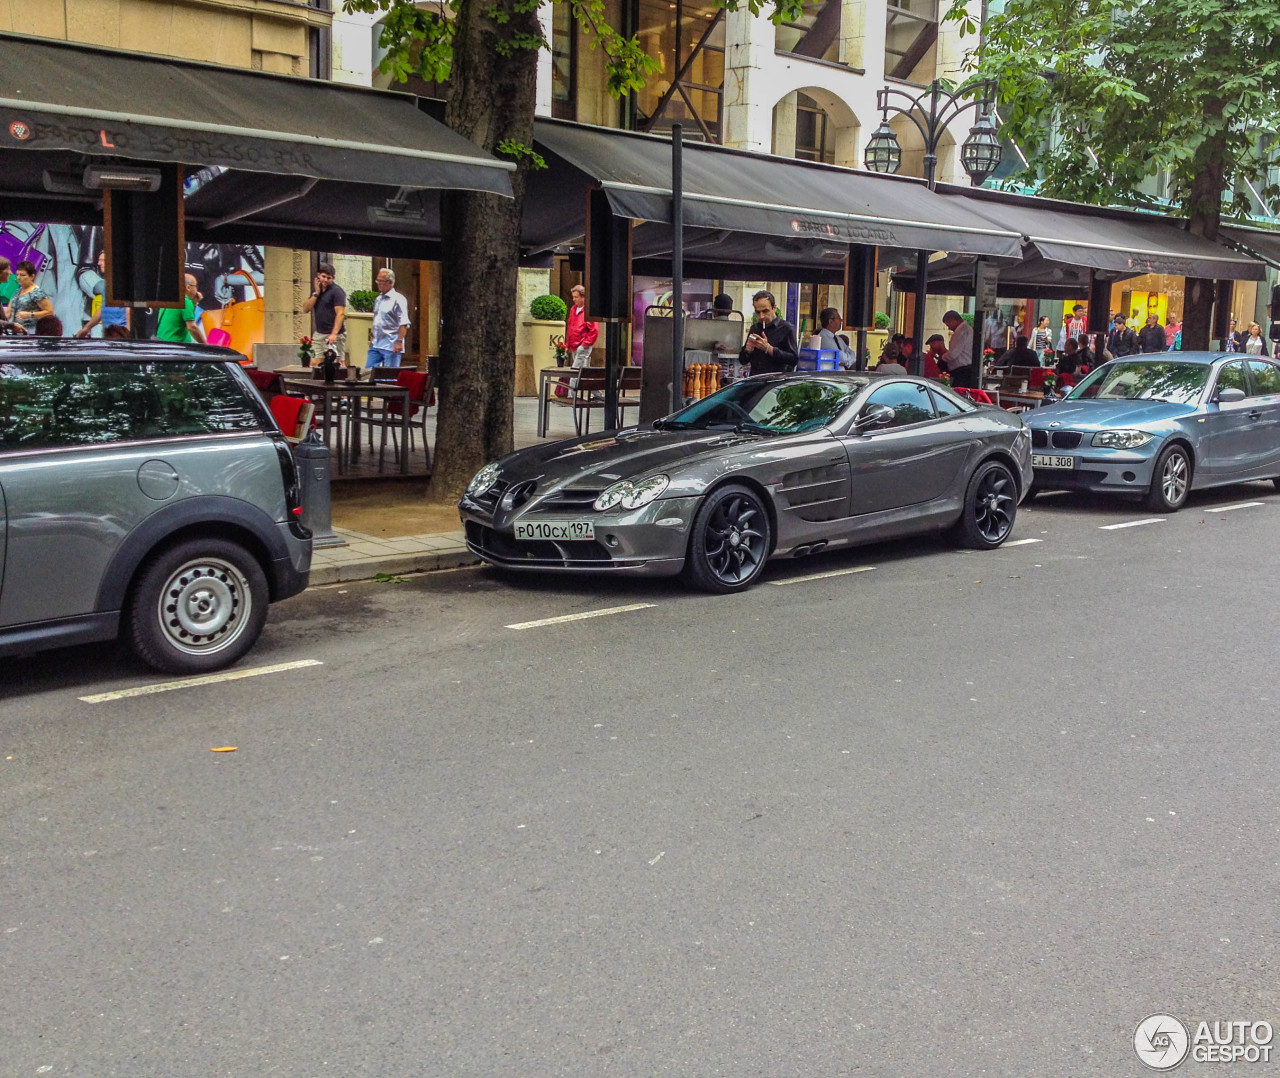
(1229, 395)
(875, 415)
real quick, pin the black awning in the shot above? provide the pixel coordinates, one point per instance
(1113, 241)
(1254, 241)
(64, 97)
(764, 195)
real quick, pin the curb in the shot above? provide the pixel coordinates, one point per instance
(368, 568)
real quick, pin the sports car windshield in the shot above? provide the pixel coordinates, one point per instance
(1144, 379)
(767, 407)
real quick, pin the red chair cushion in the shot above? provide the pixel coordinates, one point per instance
(416, 383)
(262, 379)
(287, 411)
(1037, 377)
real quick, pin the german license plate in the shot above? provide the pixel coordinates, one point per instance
(1051, 460)
(555, 529)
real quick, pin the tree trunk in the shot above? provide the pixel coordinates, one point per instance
(1204, 213)
(491, 99)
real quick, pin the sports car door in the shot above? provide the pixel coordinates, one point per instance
(913, 460)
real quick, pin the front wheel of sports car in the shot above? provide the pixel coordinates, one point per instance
(729, 541)
(990, 505)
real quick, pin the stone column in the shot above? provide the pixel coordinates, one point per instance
(288, 283)
(784, 126)
(748, 117)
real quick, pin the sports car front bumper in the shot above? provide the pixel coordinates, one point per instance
(651, 541)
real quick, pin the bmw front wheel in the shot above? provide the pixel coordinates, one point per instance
(1170, 480)
(729, 541)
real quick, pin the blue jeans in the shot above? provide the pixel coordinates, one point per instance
(382, 357)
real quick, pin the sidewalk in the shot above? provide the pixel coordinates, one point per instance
(388, 526)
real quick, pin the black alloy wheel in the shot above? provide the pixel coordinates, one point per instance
(990, 506)
(1170, 480)
(729, 542)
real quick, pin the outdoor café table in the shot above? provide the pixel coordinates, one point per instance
(355, 392)
(547, 377)
(1025, 400)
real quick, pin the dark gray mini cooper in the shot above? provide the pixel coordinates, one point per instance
(146, 492)
(771, 466)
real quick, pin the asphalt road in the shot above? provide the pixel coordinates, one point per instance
(960, 814)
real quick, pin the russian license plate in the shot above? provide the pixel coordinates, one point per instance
(1051, 460)
(555, 529)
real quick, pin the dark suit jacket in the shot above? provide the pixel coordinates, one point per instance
(786, 350)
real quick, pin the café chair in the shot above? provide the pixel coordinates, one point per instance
(388, 417)
(293, 415)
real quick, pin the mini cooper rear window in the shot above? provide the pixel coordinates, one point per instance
(44, 405)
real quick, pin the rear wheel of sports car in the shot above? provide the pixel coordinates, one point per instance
(1170, 480)
(729, 541)
(990, 505)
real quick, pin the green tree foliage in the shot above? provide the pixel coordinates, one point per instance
(1129, 87)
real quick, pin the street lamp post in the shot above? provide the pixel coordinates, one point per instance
(931, 112)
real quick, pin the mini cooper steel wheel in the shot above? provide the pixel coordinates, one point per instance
(990, 506)
(198, 606)
(729, 542)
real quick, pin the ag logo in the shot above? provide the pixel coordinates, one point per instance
(20, 129)
(1161, 1042)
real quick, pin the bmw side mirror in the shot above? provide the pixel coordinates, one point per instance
(1229, 395)
(875, 415)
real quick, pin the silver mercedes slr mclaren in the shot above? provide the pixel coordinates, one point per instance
(773, 466)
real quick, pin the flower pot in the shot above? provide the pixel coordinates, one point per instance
(359, 326)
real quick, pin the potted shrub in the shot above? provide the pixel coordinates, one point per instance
(359, 324)
(878, 337)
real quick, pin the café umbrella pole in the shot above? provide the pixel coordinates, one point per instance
(677, 268)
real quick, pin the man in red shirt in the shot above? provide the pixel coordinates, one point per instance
(580, 335)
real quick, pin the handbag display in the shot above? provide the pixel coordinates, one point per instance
(243, 323)
(16, 249)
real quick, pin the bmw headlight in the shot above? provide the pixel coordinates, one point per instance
(1121, 439)
(631, 495)
(484, 479)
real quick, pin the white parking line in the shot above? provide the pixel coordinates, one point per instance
(1130, 524)
(191, 682)
(1228, 508)
(823, 576)
(580, 617)
(1023, 542)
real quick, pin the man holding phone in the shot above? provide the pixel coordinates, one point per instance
(771, 342)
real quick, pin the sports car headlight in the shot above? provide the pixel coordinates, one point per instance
(645, 491)
(484, 479)
(1121, 439)
(631, 495)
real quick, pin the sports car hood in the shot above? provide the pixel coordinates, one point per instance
(633, 453)
(1105, 414)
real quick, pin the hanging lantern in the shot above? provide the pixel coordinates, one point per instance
(980, 154)
(883, 153)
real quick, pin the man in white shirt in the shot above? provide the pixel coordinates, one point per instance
(832, 339)
(958, 357)
(390, 323)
